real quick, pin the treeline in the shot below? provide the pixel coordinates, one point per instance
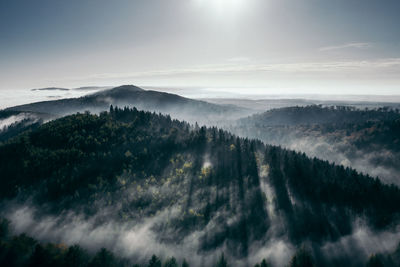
(317, 114)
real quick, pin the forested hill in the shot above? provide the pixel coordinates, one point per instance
(170, 188)
(133, 96)
(367, 140)
(316, 114)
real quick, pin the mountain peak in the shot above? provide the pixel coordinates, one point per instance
(127, 87)
(120, 91)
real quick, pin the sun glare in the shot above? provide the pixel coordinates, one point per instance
(223, 7)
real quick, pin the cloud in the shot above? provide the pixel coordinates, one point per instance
(362, 243)
(329, 66)
(138, 240)
(344, 46)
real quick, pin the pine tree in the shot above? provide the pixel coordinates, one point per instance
(154, 262)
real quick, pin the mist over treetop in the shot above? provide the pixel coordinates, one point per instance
(196, 187)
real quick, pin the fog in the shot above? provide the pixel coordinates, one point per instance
(346, 147)
(14, 97)
(24, 118)
(241, 97)
(135, 241)
(377, 163)
(362, 243)
(138, 241)
(4, 123)
(141, 237)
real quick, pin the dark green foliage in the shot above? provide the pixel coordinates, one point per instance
(4, 228)
(40, 257)
(374, 261)
(302, 258)
(171, 263)
(26, 122)
(262, 264)
(103, 258)
(154, 262)
(69, 152)
(84, 158)
(316, 114)
(332, 193)
(76, 256)
(332, 133)
(17, 250)
(185, 263)
(222, 262)
(388, 259)
(25, 251)
(135, 164)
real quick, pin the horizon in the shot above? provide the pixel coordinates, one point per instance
(10, 98)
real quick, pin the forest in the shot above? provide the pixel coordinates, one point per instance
(201, 133)
(185, 189)
(365, 139)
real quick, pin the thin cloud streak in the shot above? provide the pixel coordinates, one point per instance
(388, 64)
(344, 46)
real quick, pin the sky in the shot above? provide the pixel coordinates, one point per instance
(253, 46)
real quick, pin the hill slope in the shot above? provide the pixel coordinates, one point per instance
(132, 96)
(367, 140)
(141, 183)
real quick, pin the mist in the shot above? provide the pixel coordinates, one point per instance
(163, 212)
(362, 243)
(364, 162)
(14, 97)
(138, 241)
(5, 123)
(134, 241)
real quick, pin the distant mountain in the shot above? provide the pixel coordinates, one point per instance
(282, 101)
(132, 96)
(139, 184)
(317, 114)
(91, 88)
(367, 140)
(260, 105)
(120, 91)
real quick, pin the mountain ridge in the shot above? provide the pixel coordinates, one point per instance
(129, 95)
